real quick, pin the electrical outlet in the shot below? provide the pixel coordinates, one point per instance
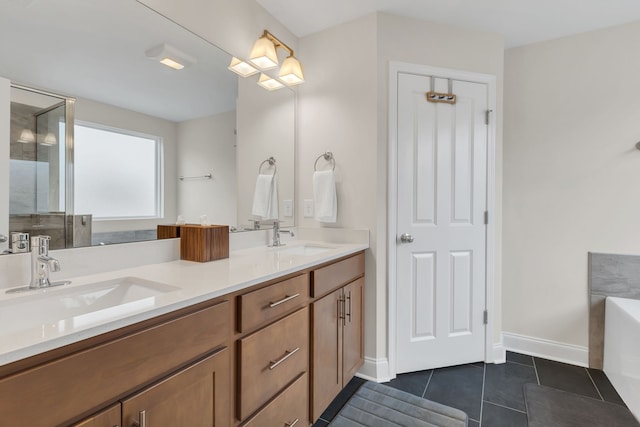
(308, 208)
(288, 208)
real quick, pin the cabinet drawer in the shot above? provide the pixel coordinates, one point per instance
(73, 385)
(271, 358)
(290, 408)
(267, 304)
(333, 276)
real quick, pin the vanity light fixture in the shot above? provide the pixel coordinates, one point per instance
(264, 57)
(27, 136)
(241, 68)
(49, 139)
(269, 83)
(291, 71)
(170, 56)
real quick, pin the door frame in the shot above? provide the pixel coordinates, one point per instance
(490, 80)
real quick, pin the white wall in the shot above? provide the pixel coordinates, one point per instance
(571, 174)
(266, 128)
(207, 145)
(5, 114)
(95, 112)
(343, 108)
(338, 113)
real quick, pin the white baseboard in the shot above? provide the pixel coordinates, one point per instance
(560, 352)
(499, 353)
(376, 370)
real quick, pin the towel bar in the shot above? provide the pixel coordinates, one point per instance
(207, 176)
(328, 156)
(272, 162)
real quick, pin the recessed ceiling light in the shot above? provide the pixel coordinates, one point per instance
(170, 56)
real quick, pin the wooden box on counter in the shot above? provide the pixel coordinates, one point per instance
(203, 243)
(170, 231)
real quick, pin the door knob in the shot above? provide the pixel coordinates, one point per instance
(406, 238)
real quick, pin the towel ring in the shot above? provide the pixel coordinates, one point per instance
(328, 156)
(272, 162)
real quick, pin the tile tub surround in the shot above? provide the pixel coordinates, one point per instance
(197, 282)
(492, 393)
(609, 275)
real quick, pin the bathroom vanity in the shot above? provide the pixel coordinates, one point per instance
(263, 338)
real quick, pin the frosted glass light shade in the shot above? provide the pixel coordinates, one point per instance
(49, 139)
(27, 136)
(269, 83)
(263, 55)
(241, 68)
(291, 71)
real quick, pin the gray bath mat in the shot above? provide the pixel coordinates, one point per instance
(547, 406)
(377, 405)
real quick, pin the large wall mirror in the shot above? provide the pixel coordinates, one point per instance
(113, 143)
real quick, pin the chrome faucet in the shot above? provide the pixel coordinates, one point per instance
(41, 263)
(276, 233)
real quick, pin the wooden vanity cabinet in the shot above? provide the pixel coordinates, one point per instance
(272, 353)
(110, 417)
(194, 396)
(69, 387)
(337, 325)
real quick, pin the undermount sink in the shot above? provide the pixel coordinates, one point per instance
(62, 309)
(305, 250)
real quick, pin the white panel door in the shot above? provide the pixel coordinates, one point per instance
(442, 188)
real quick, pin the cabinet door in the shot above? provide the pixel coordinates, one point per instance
(197, 395)
(110, 417)
(353, 337)
(326, 353)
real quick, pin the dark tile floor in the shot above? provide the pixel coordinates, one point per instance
(491, 395)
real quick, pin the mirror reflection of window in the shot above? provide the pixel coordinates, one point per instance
(122, 164)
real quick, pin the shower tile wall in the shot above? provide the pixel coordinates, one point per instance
(22, 118)
(41, 224)
(22, 157)
(609, 275)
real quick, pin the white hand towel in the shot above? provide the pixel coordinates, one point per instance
(265, 197)
(324, 196)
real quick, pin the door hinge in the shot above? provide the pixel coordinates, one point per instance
(485, 318)
(487, 116)
(486, 217)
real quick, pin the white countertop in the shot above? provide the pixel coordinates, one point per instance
(195, 282)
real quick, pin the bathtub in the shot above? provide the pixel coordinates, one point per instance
(622, 349)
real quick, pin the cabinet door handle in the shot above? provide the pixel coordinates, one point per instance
(348, 314)
(292, 423)
(142, 419)
(283, 300)
(341, 309)
(274, 364)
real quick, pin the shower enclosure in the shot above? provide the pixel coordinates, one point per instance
(40, 164)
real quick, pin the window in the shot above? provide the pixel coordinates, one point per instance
(117, 173)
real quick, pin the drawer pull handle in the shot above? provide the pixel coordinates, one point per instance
(142, 419)
(283, 300)
(287, 354)
(292, 423)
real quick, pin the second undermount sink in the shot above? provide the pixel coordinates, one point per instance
(62, 309)
(305, 250)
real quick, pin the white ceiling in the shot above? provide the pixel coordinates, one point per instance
(95, 49)
(520, 21)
